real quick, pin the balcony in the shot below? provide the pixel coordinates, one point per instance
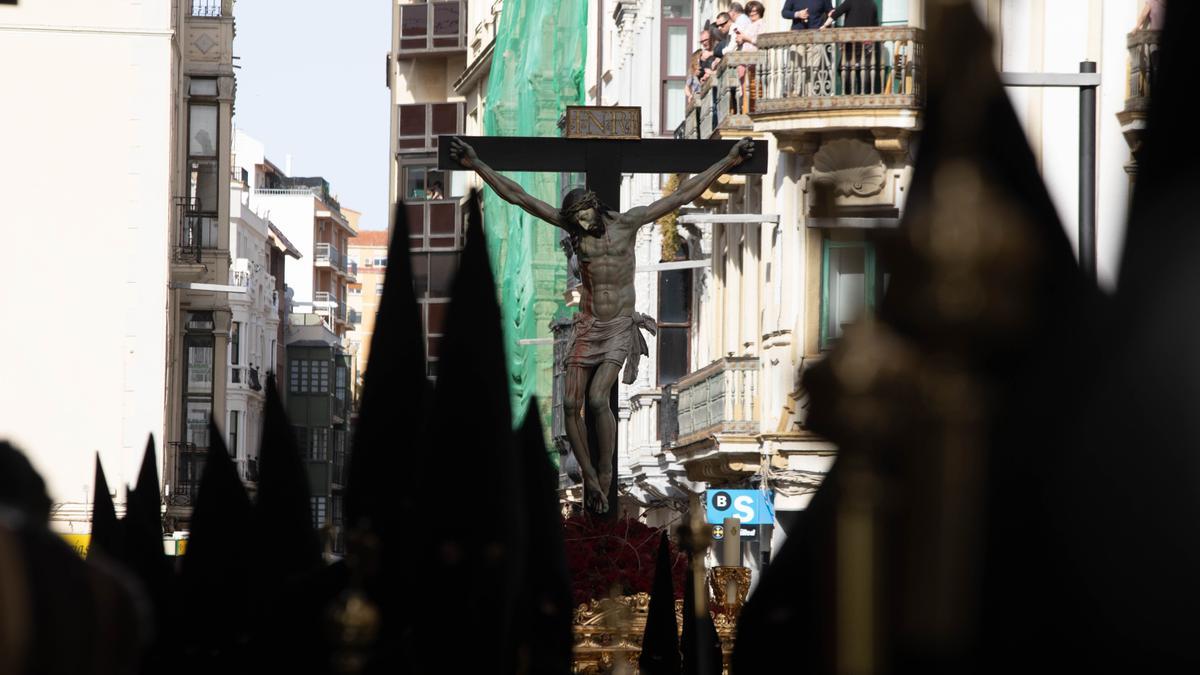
(718, 416)
(420, 124)
(198, 236)
(831, 80)
(211, 8)
(324, 301)
(327, 256)
(846, 78)
(245, 376)
(723, 103)
(189, 466)
(719, 398)
(240, 273)
(1143, 71)
(432, 28)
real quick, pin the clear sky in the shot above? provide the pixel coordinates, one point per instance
(311, 84)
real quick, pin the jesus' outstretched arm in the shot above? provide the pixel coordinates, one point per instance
(508, 189)
(693, 187)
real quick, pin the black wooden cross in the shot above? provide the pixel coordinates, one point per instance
(603, 161)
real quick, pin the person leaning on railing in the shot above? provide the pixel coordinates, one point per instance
(747, 40)
(708, 59)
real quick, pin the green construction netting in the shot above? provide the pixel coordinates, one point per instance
(537, 71)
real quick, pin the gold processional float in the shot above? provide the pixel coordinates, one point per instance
(608, 631)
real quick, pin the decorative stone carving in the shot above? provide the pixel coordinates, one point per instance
(851, 167)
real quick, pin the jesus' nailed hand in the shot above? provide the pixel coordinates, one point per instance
(606, 328)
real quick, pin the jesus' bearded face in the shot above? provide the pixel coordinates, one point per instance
(586, 219)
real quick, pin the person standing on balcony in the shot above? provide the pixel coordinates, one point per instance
(858, 13)
(806, 14)
(741, 22)
(747, 38)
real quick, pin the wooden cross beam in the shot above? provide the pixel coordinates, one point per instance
(602, 160)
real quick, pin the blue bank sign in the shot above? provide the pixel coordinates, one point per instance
(751, 507)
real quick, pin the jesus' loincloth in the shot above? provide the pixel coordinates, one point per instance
(618, 340)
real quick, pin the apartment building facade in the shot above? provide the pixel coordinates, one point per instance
(146, 221)
(428, 53)
(368, 251)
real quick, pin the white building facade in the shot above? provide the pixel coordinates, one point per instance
(103, 81)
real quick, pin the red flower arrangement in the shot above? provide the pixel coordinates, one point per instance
(603, 553)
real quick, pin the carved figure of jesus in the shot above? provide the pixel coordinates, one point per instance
(605, 334)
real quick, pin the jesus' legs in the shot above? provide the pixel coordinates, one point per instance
(606, 425)
(595, 498)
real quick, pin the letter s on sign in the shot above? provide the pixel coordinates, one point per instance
(744, 505)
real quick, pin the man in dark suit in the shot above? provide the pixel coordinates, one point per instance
(806, 14)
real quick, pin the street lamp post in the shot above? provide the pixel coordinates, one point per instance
(1086, 80)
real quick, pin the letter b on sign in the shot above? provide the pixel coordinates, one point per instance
(720, 501)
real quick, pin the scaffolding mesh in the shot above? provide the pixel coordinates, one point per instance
(537, 70)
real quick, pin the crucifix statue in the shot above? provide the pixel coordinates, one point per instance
(606, 333)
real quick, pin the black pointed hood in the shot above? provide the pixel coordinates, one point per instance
(395, 396)
(546, 640)
(1143, 430)
(218, 575)
(283, 507)
(984, 336)
(106, 531)
(478, 544)
(143, 552)
(660, 641)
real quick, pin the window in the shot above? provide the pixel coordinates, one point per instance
(433, 274)
(318, 511)
(297, 377)
(432, 25)
(379, 289)
(356, 289)
(235, 349)
(202, 130)
(380, 262)
(676, 52)
(420, 124)
(308, 376)
(197, 417)
(318, 444)
(197, 378)
(424, 182)
(199, 364)
(852, 282)
(233, 433)
(433, 314)
(434, 226)
(674, 324)
(202, 86)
